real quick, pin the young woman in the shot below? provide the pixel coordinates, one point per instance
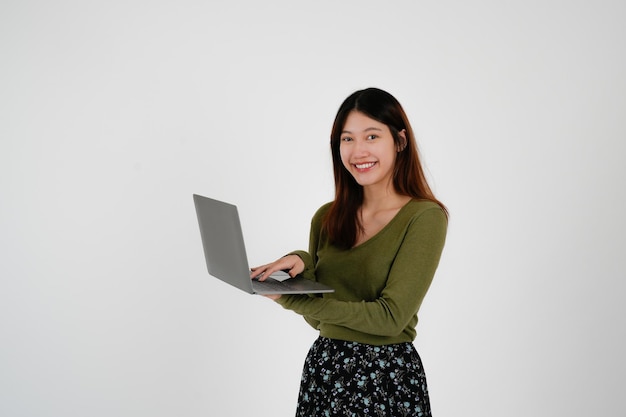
(378, 245)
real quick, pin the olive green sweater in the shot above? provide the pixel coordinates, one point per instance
(379, 284)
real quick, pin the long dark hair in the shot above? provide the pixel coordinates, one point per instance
(341, 224)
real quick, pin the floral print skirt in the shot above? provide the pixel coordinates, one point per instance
(343, 378)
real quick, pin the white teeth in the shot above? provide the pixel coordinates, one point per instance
(365, 166)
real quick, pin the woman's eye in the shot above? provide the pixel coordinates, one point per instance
(372, 137)
(346, 139)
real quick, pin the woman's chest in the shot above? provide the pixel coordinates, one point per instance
(356, 274)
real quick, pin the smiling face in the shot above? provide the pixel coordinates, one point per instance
(368, 150)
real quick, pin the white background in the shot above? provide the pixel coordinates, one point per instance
(113, 113)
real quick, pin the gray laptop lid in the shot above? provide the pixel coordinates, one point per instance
(225, 252)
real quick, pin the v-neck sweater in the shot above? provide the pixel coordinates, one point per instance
(379, 284)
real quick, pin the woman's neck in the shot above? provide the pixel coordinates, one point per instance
(382, 198)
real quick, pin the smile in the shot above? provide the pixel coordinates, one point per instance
(365, 165)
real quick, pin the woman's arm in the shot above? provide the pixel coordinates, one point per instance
(408, 281)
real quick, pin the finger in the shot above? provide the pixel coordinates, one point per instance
(267, 272)
(261, 273)
(287, 263)
(272, 296)
(258, 272)
(296, 265)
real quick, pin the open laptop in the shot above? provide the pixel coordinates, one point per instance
(225, 253)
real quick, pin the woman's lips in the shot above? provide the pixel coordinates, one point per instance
(364, 166)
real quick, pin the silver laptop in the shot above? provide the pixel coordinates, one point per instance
(225, 253)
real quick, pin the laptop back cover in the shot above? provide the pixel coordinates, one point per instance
(222, 241)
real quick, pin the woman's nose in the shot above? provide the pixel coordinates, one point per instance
(360, 148)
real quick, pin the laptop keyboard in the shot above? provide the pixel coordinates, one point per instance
(272, 284)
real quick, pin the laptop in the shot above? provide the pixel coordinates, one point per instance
(225, 253)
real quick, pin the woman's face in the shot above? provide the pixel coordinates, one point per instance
(367, 150)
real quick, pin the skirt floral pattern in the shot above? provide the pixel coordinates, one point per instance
(352, 379)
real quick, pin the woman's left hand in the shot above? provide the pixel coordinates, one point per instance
(273, 296)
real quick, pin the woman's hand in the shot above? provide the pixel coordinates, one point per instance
(292, 264)
(273, 296)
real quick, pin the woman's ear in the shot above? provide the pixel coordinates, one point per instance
(403, 142)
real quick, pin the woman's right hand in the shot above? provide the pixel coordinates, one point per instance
(292, 264)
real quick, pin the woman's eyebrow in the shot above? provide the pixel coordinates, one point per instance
(365, 130)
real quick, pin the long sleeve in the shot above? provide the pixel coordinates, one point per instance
(310, 258)
(412, 250)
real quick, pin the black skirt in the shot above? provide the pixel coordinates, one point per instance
(343, 378)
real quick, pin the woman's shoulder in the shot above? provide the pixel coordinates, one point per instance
(415, 208)
(321, 212)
